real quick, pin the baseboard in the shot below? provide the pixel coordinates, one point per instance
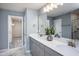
(27, 51)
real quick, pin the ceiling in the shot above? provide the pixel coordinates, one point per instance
(67, 7)
(20, 7)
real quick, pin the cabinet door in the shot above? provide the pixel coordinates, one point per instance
(36, 50)
(47, 54)
(31, 46)
(50, 52)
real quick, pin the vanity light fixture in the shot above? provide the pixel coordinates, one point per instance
(51, 6)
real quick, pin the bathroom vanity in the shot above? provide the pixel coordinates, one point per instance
(38, 49)
(39, 46)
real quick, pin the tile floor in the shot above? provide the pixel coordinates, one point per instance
(16, 42)
(15, 52)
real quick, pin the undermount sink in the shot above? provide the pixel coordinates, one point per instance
(64, 49)
(56, 43)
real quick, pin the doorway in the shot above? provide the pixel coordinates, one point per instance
(15, 32)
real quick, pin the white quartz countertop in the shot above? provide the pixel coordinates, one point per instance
(59, 45)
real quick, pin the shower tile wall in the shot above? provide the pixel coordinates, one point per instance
(16, 34)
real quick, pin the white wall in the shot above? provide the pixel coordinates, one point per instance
(4, 26)
(30, 24)
(32, 19)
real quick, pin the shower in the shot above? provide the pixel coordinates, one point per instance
(15, 32)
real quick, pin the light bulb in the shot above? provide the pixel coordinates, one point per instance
(50, 7)
(47, 8)
(51, 4)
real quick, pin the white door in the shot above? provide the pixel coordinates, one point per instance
(58, 26)
(9, 30)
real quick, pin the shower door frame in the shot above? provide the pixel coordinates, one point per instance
(9, 24)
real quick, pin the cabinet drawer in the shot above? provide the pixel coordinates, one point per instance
(51, 52)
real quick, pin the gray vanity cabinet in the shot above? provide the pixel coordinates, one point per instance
(37, 49)
(33, 49)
